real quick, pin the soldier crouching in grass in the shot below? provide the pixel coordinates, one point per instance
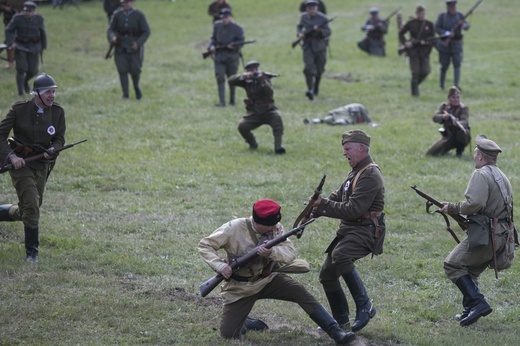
(249, 284)
(489, 197)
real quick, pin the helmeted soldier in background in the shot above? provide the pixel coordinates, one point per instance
(314, 45)
(375, 29)
(228, 35)
(38, 126)
(259, 105)
(9, 8)
(26, 34)
(128, 31)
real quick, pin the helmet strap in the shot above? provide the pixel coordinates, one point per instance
(41, 99)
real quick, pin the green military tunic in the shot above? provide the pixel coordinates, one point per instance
(452, 135)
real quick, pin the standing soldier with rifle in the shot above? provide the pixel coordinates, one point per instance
(128, 32)
(38, 126)
(375, 29)
(26, 34)
(9, 8)
(358, 203)
(454, 116)
(488, 196)
(449, 25)
(256, 280)
(418, 47)
(313, 31)
(230, 37)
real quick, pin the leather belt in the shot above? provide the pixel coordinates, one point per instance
(246, 278)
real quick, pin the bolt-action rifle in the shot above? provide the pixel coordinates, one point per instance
(10, 166)
(306, 213)
(207, 286)
(396, 11)
(209, 53)
(309, 34)
(416, 43)
(461, 220)
(447, 39)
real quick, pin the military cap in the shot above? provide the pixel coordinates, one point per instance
(374, 10)
(225, 12)
(453, 90)
(252, 64)
(420, 9)
(267, 212)
(29, 5)
(487, 146)
(311, 3)
(125, 0)
(451, 2)
(356, 136)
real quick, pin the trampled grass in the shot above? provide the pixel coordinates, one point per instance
(123, 212)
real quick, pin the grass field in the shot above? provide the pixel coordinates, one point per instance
(123, 212)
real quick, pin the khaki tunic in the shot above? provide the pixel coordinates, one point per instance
(235, 238)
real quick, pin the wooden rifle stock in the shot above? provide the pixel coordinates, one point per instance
(446, 42)
(207, 286)
(209, 53)
(10, 166)
(462, 221)
(310, 33)
(415, 43)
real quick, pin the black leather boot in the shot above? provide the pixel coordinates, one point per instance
(465, 310)
(253, 324)
(478, 306)
(31, 243)
(221, 95)
(4, 212)
(322, 318)
(339, 307)
(365, 310)
(415, 87)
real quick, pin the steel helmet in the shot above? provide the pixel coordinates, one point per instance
(44, 81)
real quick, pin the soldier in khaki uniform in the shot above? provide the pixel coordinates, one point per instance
(259, 105)
(26, 34)
(488, 193)
(359, 204)
(454, 116)
(38, 124)
(249, 284)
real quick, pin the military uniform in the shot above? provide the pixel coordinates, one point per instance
(314, 49)
(374, 41)
(226, 60)
(248, 284)
(321, 6)
(110, 6)
(130, 28)
(452, 52)
(419, 54)
(488, 193)
(30, 38)
(260, 108)
(452, 135)
(42, 129)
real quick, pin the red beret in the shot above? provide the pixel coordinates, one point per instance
(266, 212)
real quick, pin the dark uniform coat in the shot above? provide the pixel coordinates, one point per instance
(452, 135)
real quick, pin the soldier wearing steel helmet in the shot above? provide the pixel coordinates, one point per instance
(375, 29)
(260, 105)
(26, 33)
(37, 126)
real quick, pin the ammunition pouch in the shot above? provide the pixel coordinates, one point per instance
(478, 231)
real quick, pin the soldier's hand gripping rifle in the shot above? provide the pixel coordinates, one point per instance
(211, 52)
(462, 221)
(207, 286)
(447, 38)
(403, 48)
(10, 166)
(309, 34)
(306, 213)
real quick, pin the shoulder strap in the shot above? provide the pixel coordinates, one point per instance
(360, 172)
(499, 180)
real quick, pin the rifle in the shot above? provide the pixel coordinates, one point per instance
(446, 42)
(415, 43)
(108, 55)
(456, 122)
(306, 213)
(222, 46)
(207, 286)
(462, 221)
(396, 11)
(310, 33)
(2, 47)
(9, 166)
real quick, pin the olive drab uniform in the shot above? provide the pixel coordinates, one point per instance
(314, 49)
(30, 38)
(374, 41)
(129, 27)
(226, 61)
(419, 54)
(453, 137)
(41, 129)
(450, 49)
(260, 108)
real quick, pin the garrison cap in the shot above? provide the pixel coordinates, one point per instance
(453, 90)
(267, 212)
(356, 136)
(29, 5)
(252, 64)
(225, 12)
(373, 10)
(487, 146)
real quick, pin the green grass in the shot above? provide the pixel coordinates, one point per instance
(123, 212)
